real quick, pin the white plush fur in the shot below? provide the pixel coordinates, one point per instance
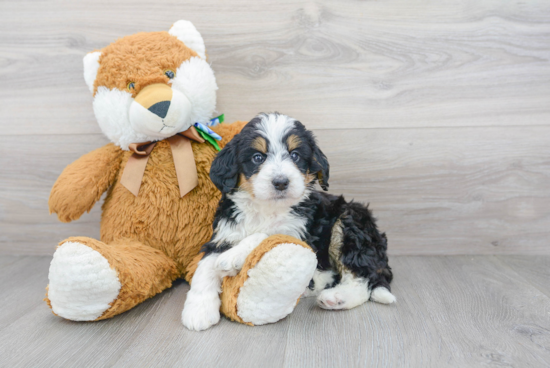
(195, 79)
(91, 65)
(111, 108)
(275, 283)
(186, 32)
(202, 306)
(81, 283)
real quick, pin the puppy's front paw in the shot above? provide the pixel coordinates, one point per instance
(231, 261)
(199, 316)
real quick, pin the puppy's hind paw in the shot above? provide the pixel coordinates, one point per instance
(382, 295)
(330, 299)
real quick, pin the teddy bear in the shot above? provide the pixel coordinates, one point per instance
(150, 90)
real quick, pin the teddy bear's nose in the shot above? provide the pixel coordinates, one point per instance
(160, 108)
(155, 98)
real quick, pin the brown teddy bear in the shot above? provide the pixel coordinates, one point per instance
(149, 91)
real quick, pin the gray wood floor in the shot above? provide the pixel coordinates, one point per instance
(464, 311)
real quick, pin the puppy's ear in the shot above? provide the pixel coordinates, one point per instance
(320, 166)
(224, 171)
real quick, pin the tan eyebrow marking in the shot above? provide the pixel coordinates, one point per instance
(260, 144)
(293, 142)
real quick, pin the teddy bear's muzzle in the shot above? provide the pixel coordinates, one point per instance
(159, 111)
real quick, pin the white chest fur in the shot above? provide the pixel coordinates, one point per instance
(254, 217)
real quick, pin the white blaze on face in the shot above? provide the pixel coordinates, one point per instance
(278, 164)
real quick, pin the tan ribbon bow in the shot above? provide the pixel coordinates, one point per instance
(184, 161)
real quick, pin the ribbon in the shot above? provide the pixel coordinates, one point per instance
(184, 161)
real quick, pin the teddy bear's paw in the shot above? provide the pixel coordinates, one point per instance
(200, 313)
(81, 283)
(275, 284)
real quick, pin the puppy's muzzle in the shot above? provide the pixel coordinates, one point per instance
(280, 183)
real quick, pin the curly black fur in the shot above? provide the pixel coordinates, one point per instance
(363, 248)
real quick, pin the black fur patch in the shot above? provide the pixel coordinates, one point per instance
(225, 210)
(363, 249)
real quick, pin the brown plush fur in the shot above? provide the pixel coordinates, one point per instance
(142, 271)
(156, 220)
(141, 58)
(83, 182)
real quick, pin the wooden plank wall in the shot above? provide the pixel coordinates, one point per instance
(437, 113)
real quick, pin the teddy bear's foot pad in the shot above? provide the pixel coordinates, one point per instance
(82, 283)
(274, 285)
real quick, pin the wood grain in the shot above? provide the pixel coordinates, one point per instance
(448, 190)
(464, 190)
(463, 311)
(346, 64)
(535, 270)
(447, 105)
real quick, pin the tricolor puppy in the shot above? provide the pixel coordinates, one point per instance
(266, 175)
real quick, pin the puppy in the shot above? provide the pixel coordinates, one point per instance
(266, 175)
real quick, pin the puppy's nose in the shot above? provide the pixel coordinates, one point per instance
(280, 183)
(160, 108)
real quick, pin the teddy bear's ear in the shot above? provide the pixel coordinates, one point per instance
(186, 32)
(91, 65)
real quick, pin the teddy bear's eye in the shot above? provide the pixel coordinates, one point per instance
(131, 86)
(170, 74)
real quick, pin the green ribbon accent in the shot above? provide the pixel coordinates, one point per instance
(209, 139)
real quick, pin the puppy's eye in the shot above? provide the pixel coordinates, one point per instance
(170, 74)
(131, 86)
(295, 156)
(258, 158)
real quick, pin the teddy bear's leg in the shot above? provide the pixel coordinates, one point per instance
(90, 280)
(270, 283)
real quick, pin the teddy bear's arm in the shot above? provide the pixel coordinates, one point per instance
(83, 182)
